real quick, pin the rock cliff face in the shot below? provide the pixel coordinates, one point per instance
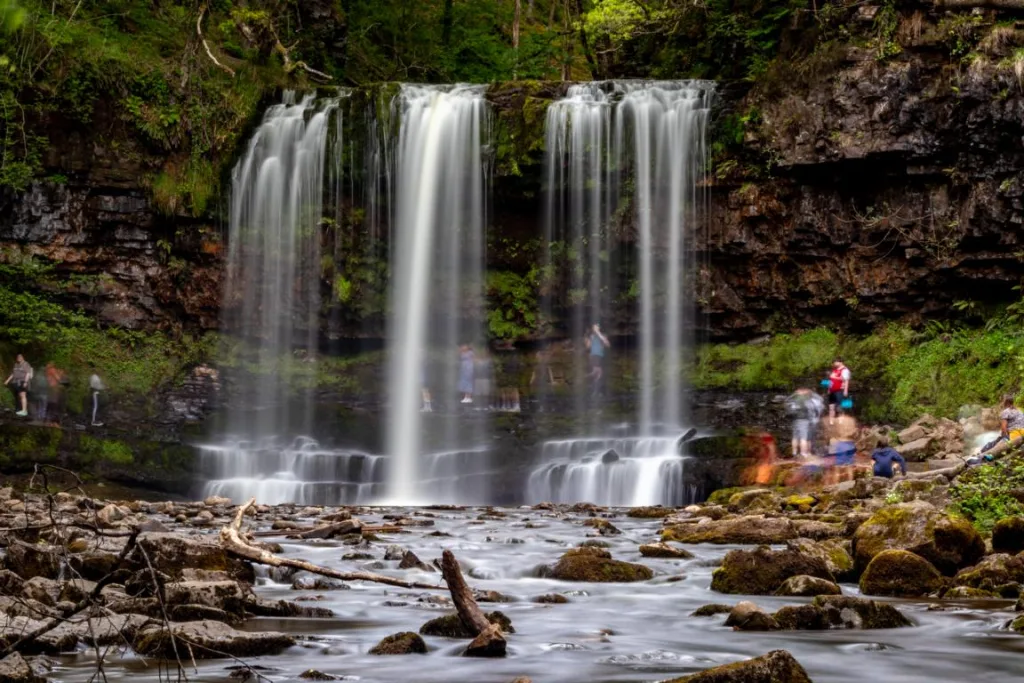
(865, 189)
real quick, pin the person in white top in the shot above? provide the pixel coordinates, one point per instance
(96, 386)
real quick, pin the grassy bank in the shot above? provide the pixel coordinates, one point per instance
(899, 373)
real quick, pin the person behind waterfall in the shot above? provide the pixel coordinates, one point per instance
(838, 387)
(1011, 419)
(426, 406)
(483, 378)
(58, 381)
(96, 387)
(18, 381)
(805, 407)
(510, 369)
(597, 343)
(466, 361)
(40, 389)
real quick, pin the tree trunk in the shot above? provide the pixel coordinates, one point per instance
(515, 36)
(595, 71)
(465, 604)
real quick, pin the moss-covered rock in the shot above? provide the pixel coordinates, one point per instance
(745, 530)
(763, 571)
(848, 612)
(597, 565)
(405, 643)
(967, 593)
(754, 500)
(800, 502)
(551, 599)
(833, 553)
(650, 512)
(746, 616)
(603, 526)
(1018, 624)
(1008, 535)
(801, 618)
(209, 640)
(777, 666)
(808, 586)
(664, 550)
(451, 626)
(900, 574)
(711, 610)
(949, 543)
(993, 572)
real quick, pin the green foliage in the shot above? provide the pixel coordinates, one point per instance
(512, 304)
(93, 450)
(987, 493)
(778, 364)
(887, 22)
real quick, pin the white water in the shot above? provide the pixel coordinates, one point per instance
(437, 269)
(599, 135)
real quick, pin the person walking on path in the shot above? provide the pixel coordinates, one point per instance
(884, 456)
(96, 387)
(597, 343)
(40, 389)
(466, 362)
(806, 408)
(1011, 419)
(18, 381)
(838, 387)
(57, 379)
(510, 369)
(483, 378)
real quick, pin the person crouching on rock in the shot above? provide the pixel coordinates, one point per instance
(1012, 419)
(884, 456)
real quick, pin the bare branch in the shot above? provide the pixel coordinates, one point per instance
(209, 53)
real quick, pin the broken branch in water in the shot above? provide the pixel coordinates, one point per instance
(231, 539)
(488, 640)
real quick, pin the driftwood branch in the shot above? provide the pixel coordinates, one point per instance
(231, 539)
(206, 46)
(488, 640)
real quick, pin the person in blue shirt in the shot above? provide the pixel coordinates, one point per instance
(597, 343)
(884, 456)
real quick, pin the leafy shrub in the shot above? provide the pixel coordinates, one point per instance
(988, 493)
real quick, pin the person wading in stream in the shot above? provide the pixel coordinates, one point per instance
(18, 381)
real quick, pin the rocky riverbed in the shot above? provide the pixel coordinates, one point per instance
(852, 586)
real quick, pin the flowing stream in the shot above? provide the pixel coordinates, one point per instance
(634, 632)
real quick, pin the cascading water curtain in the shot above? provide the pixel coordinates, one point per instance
(437, 275)
(272, 295)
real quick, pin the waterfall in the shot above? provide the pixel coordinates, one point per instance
(437, 283)
(602, 140)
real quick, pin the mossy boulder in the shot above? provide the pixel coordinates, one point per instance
(405, 643)
(777, 666)
(651, 512)
(745, 530)
(746, 616)
(664, 550)
(596, 565)
(833, 553)
(808, 587)
(209, 640)
(900, 574)
(993, 572)
(1018, 624)
(849, 612)
(754, 500)
(1008, 535)
(949, 543)
(762, 571)
(603, 526)
(451, 626)
(801, 618)
(967, 593)
(711, 610)
(800, 502)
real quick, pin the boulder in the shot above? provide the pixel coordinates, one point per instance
(209, 640)
(746, 616)
(808, 586)
(14, 669)
(217, 501)
(832, 552)
(664, 550)
(603, 526)
(745, 530)
(228, 596)
(777, 666)
(912, 433)
(967, 593)
(992, 572)
(314, 675)
(405, 643)
(711, 610)
(762, 571)
(551, 599)
(488, 643)
(849, 612)
(801, 618)
(597, 565)
(900, 574)
(110, 515)
(55, 641)
(172, 553)
(817, 530)
(411, 561)
(754, 500)
(949, 543)
(916, 450)
(1008, 535)
(653, 512)
(333, 529)
(451, 626)
(31, 560)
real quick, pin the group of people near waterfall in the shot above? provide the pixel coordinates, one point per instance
(43, 395)
(481, 370)
(832, 443)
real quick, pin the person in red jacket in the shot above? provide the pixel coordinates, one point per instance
(838, 387)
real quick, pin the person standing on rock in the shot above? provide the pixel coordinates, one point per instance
(884, 456)
(1011, 419)
(838, 387)
(596, 342)
(805, 407)
(96, 387)
(18, 381)
(466, 361)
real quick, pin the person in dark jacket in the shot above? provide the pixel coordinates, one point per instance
(884, 456)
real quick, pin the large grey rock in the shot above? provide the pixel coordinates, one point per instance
(14, 669)
(209, 640)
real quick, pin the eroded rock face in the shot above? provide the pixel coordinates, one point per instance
(777, 666)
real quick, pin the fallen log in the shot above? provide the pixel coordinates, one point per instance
(488, 640)
(231, 539)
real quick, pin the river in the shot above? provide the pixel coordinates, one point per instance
(606, 632)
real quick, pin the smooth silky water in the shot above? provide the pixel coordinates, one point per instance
(607, 632)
